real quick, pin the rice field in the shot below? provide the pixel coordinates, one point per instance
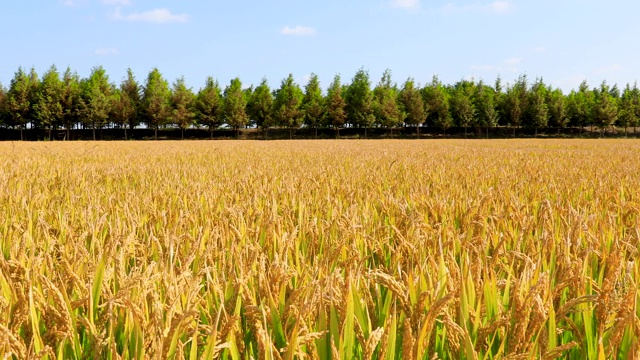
(502, 249)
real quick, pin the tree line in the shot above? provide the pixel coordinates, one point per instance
(57, 101)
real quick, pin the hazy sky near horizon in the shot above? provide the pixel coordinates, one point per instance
(562, 41)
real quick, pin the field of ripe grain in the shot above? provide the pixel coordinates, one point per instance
(516, 249)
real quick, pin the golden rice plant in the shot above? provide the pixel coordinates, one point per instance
(522, 249)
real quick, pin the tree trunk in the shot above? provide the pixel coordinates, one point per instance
(49, 134)
(365, 132)
(290, 133)
(210, 132)
(94, 132)
(237, 133)
(465, 132)
(266, 135)
(181, 133)
(535, 132)
(337, 132)
(316, 128)
(418, 131)
(156, 133)
(125, 132)
(487, 132)
(68, 134)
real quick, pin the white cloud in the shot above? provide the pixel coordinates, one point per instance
(72, 2)
(158, 16)
(116, 2)
(513, 61)
(405, 4)
(500, 6)
(298, 31)
(107, 51)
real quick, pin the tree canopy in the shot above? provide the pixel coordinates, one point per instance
(67, 101)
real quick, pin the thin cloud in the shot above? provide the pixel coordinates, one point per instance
(298, 31)
(157, 16)
(107, 51)
(405, 4)
(500, 7)
(513, 61)
(497, 7)
(72, 2)
(116, 2)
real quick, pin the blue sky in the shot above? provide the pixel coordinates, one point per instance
(563, 41)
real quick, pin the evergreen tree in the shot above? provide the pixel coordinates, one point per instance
(537, 110)
(260, 106)
(48, 100)
(500, 102)
(580, 107)
(182, 104)
(234, 108)
(556, 104)
(117, 112)
(515, 102)
(359, 100)
(614, 92)
(156, 105)
(3, 106)
(18, 101)
(385, 106)
(436, 101)
(313, 104)
(462, 109)
(635, 99)
(627, 114)
(412, 105)
(125, 103)
(485, 107)
(34, 87)
(336, 105)
(209, 105)
(130, 102)
(70, 100)
(95, 102)
(287, 104)
(605, 109)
